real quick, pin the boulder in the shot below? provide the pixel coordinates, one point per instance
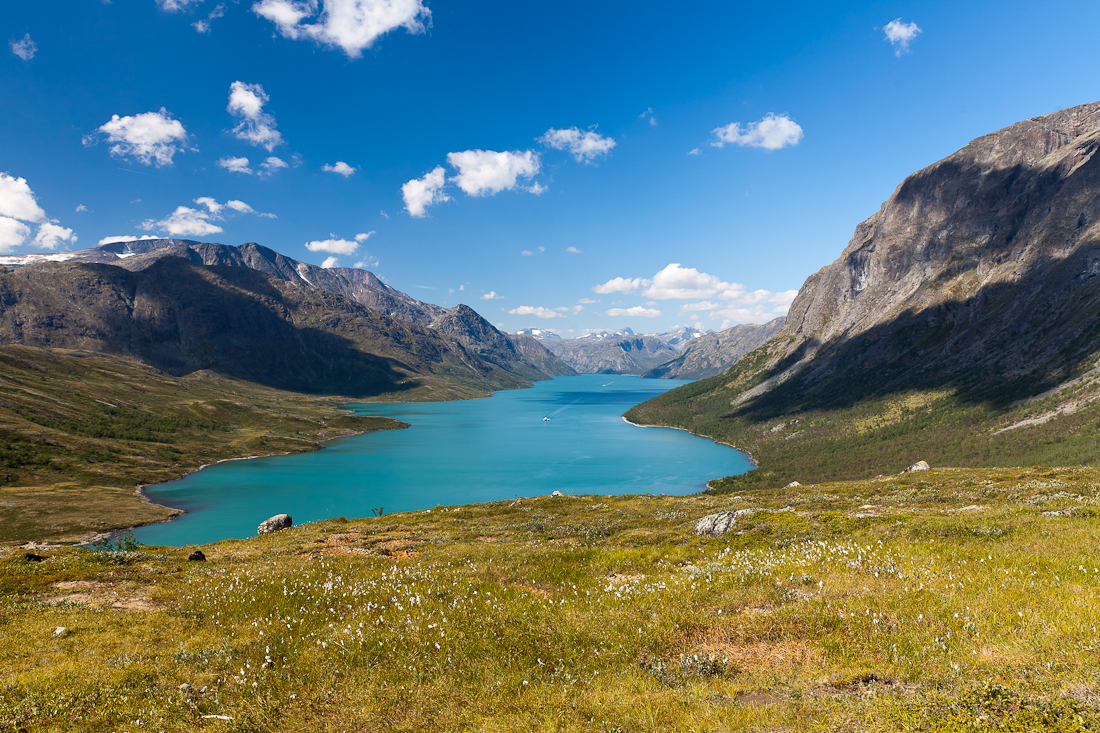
(198, 556)
(918, 466)
(713, 525)
(557, 493)
(279, 521)
(33, 557)
(792, 485)
(1067, 512)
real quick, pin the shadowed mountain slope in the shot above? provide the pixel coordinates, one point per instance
(971, 291)
(714, 353)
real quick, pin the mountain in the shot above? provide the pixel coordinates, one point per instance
(682, 337)
(708, 354)
(971, 297)
(537, 333)
(464, 327)
(611, 353)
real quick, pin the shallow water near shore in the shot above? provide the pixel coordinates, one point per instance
(455, 453)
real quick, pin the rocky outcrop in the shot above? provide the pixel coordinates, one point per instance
(719, 523)
(274, 524)
(714, 353)
(629, 354)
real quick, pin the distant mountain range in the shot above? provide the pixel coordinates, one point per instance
(253, 313)
(684, 353)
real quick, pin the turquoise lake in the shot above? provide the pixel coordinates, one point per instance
(455, 453)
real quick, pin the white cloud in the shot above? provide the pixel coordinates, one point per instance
(12, 233)
(174, 6)
(203, 26)
(537, 188)
(334, 246)
(620, 285)
(420, 193)
(185, 221)
(50, 235)
(536, 311)
(635, 312)
(482, 172)
(573, 250)
(247, 101)
(771, 133)
(24, 49)
(648, 113)
(363, 236)
(236, 165)
(369, 262)
(151, 137)
(693, 151)
(584, 146)
(81, 207)
(17, 200)
(492, 295)
(384, 214)
(351, 25)
(527, 253)
(901, 35)
(340, 167)
(329, 262)
(126, 238)
(587, 301)
(675, 282)
(706, 305)
(271, 165)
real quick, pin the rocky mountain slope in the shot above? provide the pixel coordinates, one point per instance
(472, 338)
(619, 352)
(181, 317)
(714, 353)
(971, 291)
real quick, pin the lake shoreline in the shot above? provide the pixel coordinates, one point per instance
(752, 460)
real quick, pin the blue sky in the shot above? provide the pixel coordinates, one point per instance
(572, 166)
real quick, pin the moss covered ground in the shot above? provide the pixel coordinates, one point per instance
(938, 601)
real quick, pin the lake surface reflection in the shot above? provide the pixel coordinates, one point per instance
(455, 453)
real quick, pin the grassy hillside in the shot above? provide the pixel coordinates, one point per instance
(820, 439)
(78, 433)
(942, 601)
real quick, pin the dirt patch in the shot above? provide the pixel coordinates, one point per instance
(110, 595)
(758, 699)
(751, 656)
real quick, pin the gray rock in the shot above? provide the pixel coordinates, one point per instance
(557, 493)
(713, 525)
(918, 466)
(199, 556)
(1057, 513)
(792, 485)
(279, 521)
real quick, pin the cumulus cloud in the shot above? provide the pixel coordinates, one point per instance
(900, 35)
(635, 312)
(329, 263)
(771, 133)
(81, 207)
(185, 221)
(675, 282)
(693, 151)
(623, 285)
(271, 165)
(351, 25)
(338, 246)
(363, 236)
(536, 311)
(236, 165)
(420, 193)
(50, 235)
(706, 305)
(126, 238)
(151, 137)
(573, 250)
(12, 233)
(492, 295)
(257, 127)
(340, 167)
(487, 172)
(25, 48)
(584, 146)
(17, 200)
(527, 253)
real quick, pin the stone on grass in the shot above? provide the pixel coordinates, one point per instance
(918, 466)
(197, 556)
(279, 521)
(60, 632)
(1067, 512)
(33, 557)
(713, 525)
(557, 493)
(791, 485)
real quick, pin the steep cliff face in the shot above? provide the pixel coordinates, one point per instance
(714, 353)
(616, 354)
(983, 261)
